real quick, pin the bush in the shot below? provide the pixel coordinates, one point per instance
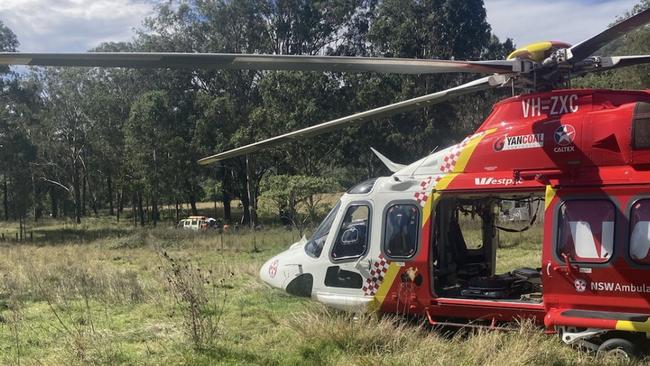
(198, 294)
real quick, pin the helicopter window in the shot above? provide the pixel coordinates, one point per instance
(314, 246)
(467, 227)
(641, 126)
(401, 235)
(363, 187)
(337, 277)
(352, 240)
(586, 230)
(640, 232)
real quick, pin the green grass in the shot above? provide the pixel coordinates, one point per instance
(99, 294)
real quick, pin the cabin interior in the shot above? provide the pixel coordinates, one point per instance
(468, 233)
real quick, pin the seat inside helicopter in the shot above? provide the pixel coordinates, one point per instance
(471, 233)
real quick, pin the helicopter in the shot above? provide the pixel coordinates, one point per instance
(402, 243)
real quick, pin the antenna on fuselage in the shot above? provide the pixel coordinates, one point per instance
(423, 160)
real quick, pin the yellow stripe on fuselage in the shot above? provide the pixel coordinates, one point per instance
(550, 194)
(460, 166)
(393, 268)
(385, 286)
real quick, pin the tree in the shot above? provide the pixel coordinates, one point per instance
(64, 134)
(8, 43)
(633, 43)
(290, 193)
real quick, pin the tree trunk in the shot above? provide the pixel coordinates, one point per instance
(54, 203)
(140, 209)
(120, 201)
(84, 195)
(109, 187)
(135, 209)
(250, 191)
(119, 204)
(246, 219)
(154, 211)
(93, 203)
(191, 195)
(227, 213)
(6, 199)
(178, 214)
(225, 196)
(195, 211)
(77, 193)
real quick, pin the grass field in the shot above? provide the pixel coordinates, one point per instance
(104, 293)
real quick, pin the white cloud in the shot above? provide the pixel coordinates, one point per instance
(553, 20)
(72, 25)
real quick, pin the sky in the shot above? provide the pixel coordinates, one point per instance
(78, 25)
(572, 21)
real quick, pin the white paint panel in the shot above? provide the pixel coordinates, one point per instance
(583, 239)
(640, 240)
(607, 241)
(585, 245)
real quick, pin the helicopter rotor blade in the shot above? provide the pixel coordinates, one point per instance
(615, 62)
(602, 63)
(385, 111)
(255, 62)
(587, 47)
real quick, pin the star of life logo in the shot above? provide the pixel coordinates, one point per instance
(580, 285)
(273, 268)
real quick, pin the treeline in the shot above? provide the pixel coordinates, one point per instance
(80, 141)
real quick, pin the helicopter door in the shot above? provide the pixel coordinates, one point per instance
(343, 281)
(582, 251)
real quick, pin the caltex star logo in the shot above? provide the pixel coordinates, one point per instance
(564, 135)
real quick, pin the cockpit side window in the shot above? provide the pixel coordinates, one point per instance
(314, 246)
(401, 231)
(352, 239)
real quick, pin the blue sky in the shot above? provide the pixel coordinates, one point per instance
(77, 25)
(572, 21)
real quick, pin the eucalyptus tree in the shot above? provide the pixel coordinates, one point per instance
(155, 149)
(64, 137)
(633, 43)
(17, 151)
(8, 42)
(441, 29)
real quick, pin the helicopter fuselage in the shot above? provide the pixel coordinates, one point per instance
(401, 244)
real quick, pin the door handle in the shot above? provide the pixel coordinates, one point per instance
(358, 262)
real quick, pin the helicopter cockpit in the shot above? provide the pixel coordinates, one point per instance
(314, 247)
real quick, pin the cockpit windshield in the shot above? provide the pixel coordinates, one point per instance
(314, 246)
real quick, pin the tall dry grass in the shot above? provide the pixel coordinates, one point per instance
(329, 337)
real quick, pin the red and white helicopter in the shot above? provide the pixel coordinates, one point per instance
(398, 244)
